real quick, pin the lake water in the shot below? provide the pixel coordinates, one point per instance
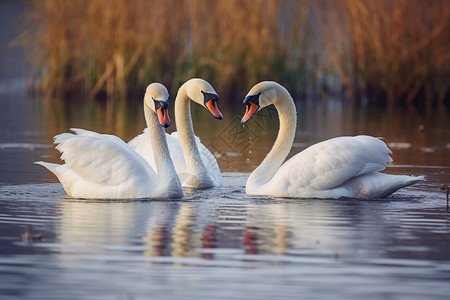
(220, 243)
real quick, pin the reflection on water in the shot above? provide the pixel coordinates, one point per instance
(204, 228)
(88, 224)
(220, 243)
(415, 139)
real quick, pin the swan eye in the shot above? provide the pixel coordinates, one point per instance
(161, 104)
(252, 99)
(210, 102)
(162, 113)
(209, 96)
(252, 106)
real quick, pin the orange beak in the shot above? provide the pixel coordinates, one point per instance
(249, 112)
(163, 117)
(212, 107)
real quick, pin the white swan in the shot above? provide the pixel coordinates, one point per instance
(194, 163)
(339, 167)
(104, 166)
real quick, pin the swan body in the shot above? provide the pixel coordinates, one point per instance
(141, 144)
(339, 167)
(103, 166)
(194, 163)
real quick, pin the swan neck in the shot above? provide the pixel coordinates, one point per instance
(283, 143)
(186, 135)
(167, 175)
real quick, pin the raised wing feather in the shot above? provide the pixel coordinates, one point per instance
(208, 158)
(331, 163)
(79, 131)
(102, 159)
(142, 145)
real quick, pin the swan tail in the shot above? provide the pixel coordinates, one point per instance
(415, 179)
(381, 185)
(52, 168)
(398, 182)
(64, 176)
(49, 166)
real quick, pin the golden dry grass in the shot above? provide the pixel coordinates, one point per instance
(118, 46)
(387, 50)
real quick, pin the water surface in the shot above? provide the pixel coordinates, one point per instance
(219, 243)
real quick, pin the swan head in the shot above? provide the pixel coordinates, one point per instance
(157, 99)
(260, 96)
(201, 92)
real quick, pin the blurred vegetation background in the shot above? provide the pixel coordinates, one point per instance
(385, 51)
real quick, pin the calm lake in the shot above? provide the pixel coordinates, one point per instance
(220, 243)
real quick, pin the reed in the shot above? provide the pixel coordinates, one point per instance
(389, 50)
(115, 47)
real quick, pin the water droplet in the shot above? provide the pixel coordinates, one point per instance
(247, 160)
(249, 151)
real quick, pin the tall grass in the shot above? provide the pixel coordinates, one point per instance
(110, 47)
(389, 50)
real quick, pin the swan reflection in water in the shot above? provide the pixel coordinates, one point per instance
(159, 228)
(186, 229)
(172, 235)
(99, 224)
(290, 228)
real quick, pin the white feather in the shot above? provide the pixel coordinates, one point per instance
(104, 166)
(196, 171)
(142, 145)
(338, 167)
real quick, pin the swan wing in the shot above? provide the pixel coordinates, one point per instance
(211, 164)
(207, 157)
(142, 144)
(331, 163)
(79, 131)
(111, 138)
(102, 159)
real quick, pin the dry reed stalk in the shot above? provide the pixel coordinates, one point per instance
(116, 47)
(389, 49)
(386, 49)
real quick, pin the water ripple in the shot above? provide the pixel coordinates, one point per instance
(219, 244)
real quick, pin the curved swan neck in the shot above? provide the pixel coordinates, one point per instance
(167, 175)
(185, 130)
(283, 144)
